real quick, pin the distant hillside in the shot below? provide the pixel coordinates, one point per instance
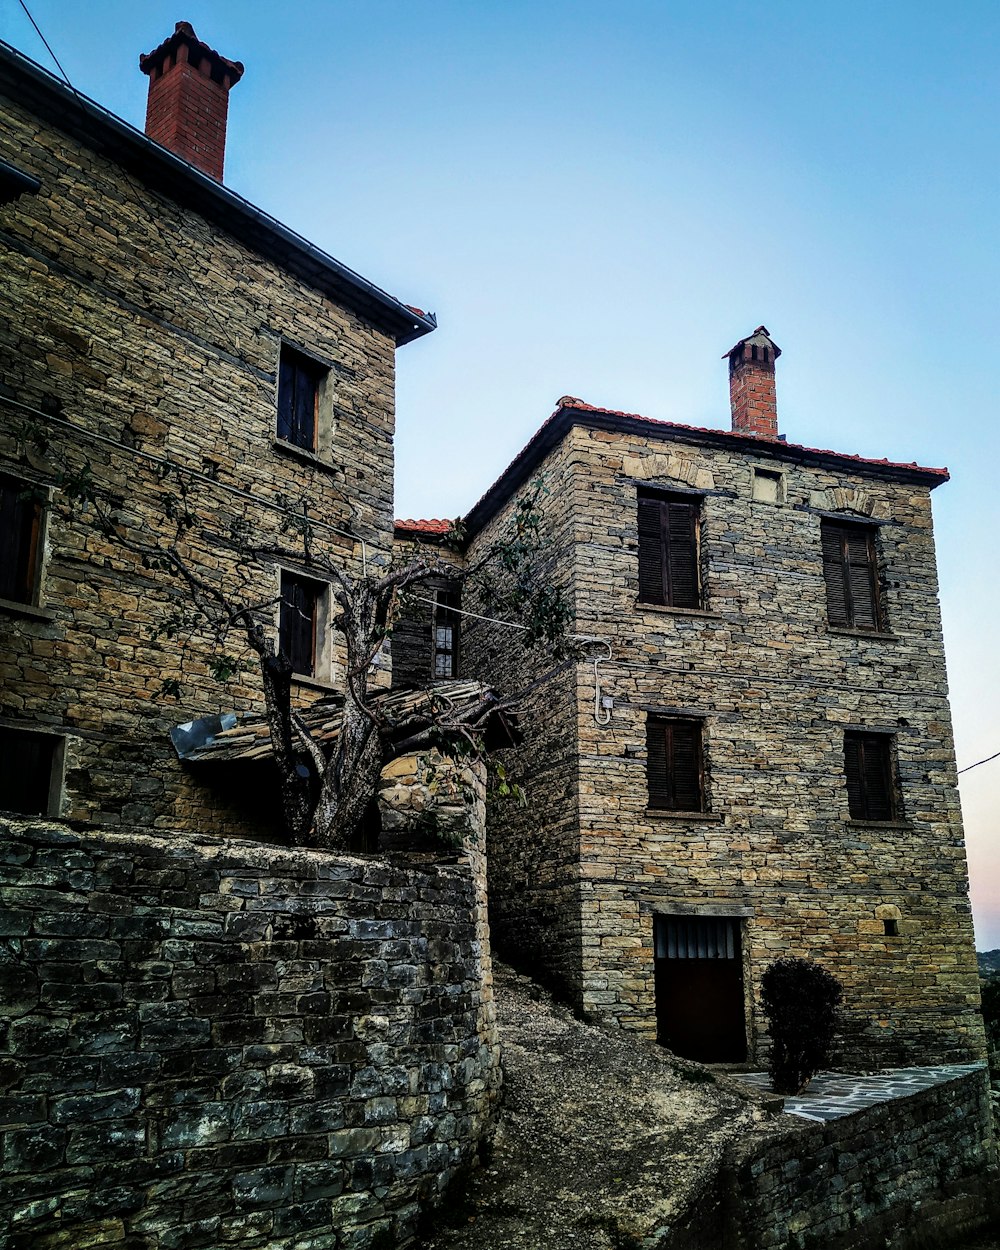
(989, 961)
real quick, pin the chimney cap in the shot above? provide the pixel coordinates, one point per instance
(219, 66)
(759, 338)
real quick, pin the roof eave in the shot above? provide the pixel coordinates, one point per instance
(35, 88)
(563, 420)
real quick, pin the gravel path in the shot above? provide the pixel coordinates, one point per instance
(602, 1141)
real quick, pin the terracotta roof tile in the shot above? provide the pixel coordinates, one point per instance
(537, 447)
(432, 526)
(750, 439)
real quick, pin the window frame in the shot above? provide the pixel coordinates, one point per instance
(842, 576)
(453, 652)
(36, 499)
(884, 805)
(320, 667)
(669, 549)
(665, 797)
(297, 367)
(55, 784)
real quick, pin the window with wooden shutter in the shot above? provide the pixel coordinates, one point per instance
(297, 622)
(668, 550)
(299, 382)
(20, 527)
(871, 793)
(674, 764)
(850, 568)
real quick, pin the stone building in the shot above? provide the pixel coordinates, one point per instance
(169, 341)
(755, 757)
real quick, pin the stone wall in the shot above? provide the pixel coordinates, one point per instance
(774, 687)
(210, 1043)
(534, 883)
(909, 1171)
(135, 320)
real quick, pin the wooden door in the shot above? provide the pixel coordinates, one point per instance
(700, 1011)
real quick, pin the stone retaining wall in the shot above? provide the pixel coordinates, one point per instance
(895, 1174)
(209, 1043)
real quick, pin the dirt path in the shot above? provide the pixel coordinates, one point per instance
(602, 1140)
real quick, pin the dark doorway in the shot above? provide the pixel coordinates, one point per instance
(699, 987)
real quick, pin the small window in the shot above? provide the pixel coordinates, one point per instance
(445, 634)
(891, 928)
(298, 621)
(30, 772)
(668, 550)
(20, 534)
(674, 764)
(850, 567)
(768, 486)
(871, 794)
(300, 385)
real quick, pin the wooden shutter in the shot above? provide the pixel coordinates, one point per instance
(862, 576)
(297, 623)
(298, 391)
(868, 765)
(19, 526)
(286, 398)
(668, 551)
(682, 546)
(851, 573)
(652, 565)
(837, 594)
(673, 764)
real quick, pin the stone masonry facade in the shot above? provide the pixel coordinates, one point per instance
(145, 316)
(581, 876)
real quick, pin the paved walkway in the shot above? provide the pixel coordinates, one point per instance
(831, 1095)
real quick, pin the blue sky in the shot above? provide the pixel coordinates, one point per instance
(599, 199)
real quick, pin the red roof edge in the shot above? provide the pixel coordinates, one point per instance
(433, 526)
(551, 431)
(577, 405)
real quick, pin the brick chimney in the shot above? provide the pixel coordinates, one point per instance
(751, 385)
(189, 98)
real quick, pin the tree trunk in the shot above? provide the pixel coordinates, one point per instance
(351, 777)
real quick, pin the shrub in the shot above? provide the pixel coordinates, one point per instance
(990, 987)
(800, 999)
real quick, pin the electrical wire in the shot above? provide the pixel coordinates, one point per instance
(164, 238)
(47, 46)
(969, 767)
(166, 462)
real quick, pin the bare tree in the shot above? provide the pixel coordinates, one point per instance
(325, 790)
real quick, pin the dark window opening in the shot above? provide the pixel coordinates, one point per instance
(20, 526)
(891, 928)
(27, 769)
(668, 551)
(871, 794)
(674, 764)
(850, 568)
(297, 622)
(299, 380)
(445, 634)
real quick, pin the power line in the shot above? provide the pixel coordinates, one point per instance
(969, 767)
(47, 46)
(163, 237)
(166, 463)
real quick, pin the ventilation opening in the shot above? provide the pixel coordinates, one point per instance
(891, 928)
